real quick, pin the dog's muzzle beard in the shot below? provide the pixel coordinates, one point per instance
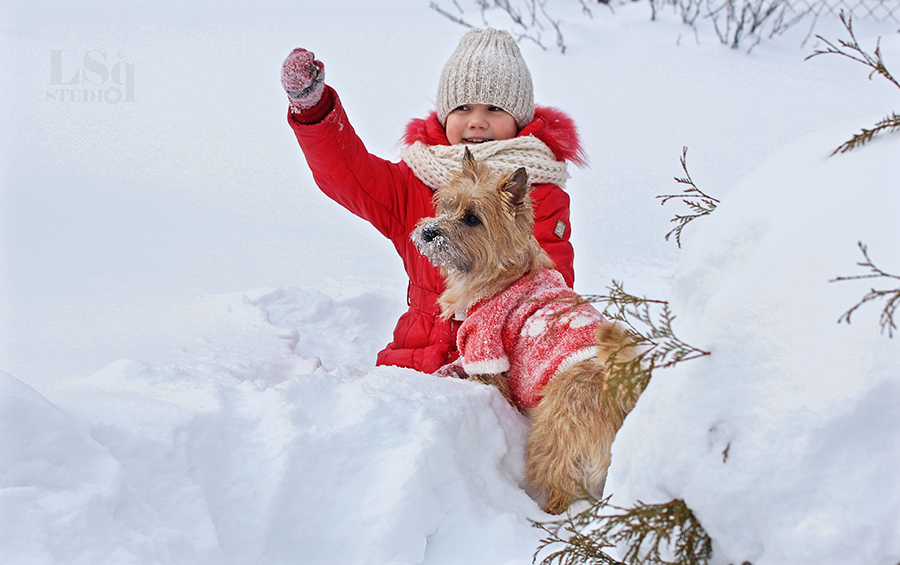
(438, 248)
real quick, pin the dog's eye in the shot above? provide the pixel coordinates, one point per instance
(471, 220)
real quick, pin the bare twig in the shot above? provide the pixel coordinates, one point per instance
(528, 18)
(747, 19)
(453, 18)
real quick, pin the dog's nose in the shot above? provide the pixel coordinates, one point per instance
(429, 233)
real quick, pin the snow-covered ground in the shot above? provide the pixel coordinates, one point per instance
(187, 326)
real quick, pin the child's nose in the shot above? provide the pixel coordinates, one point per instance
(477, 122)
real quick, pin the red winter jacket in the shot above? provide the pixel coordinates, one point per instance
(393, 199)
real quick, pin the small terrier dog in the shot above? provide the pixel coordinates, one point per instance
(525, 331)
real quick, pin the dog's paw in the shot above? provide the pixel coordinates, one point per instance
(452, 370)
(497, 380)
(556, 503)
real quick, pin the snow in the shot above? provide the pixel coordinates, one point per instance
(787, 432)
(188, 326)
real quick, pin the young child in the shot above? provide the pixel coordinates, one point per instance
(485, 102)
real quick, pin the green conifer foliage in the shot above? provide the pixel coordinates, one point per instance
(852, 50)
(700, 203)
(649, 534)
(649, 338)
(892, 297)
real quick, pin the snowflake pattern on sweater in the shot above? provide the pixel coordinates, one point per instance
(531, 331)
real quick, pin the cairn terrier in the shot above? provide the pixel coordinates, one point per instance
(525, 331)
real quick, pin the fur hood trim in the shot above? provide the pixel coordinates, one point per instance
(553, 127)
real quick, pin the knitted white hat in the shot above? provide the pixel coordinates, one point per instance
(487, 68)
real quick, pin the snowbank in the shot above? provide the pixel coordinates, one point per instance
(273, 459)
(784, 440)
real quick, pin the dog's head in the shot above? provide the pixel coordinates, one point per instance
(482, 218)
(483, 231)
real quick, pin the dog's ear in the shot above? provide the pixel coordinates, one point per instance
(517, 186)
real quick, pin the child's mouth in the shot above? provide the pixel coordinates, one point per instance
(476, 140)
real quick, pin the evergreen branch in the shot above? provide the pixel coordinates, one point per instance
(645, 527)
(700, 203)
(889, 124)
(852, 50)
(576, 534)
(649, 342)
(643, 531)
(892, 297)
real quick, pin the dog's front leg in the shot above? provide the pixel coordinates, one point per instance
(498, 380)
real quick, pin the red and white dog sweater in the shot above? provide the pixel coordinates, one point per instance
(532, 330)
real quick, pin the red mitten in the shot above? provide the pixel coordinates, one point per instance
(303, 78)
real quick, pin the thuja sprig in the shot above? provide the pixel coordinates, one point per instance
(649, 342)
(581, 542)
(853, 51)
(699, 203)
(647, 527)
(642, 531)
(892, 297)
(887, 125)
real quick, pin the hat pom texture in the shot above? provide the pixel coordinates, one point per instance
(487, 68)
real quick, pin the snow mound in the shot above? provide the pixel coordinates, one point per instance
(63, 497)
(783, 441)
(255, 454)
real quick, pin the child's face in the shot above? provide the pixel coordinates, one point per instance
(477, 123)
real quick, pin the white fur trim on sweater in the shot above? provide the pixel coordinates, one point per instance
(576, 358)
(434, 165)
(487, 367)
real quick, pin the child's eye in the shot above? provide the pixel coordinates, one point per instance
(496, 109)
(461, 109)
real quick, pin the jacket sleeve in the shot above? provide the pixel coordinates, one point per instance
(368, 186)
(552, 228)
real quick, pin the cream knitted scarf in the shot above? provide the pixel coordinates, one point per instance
(434, 165)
